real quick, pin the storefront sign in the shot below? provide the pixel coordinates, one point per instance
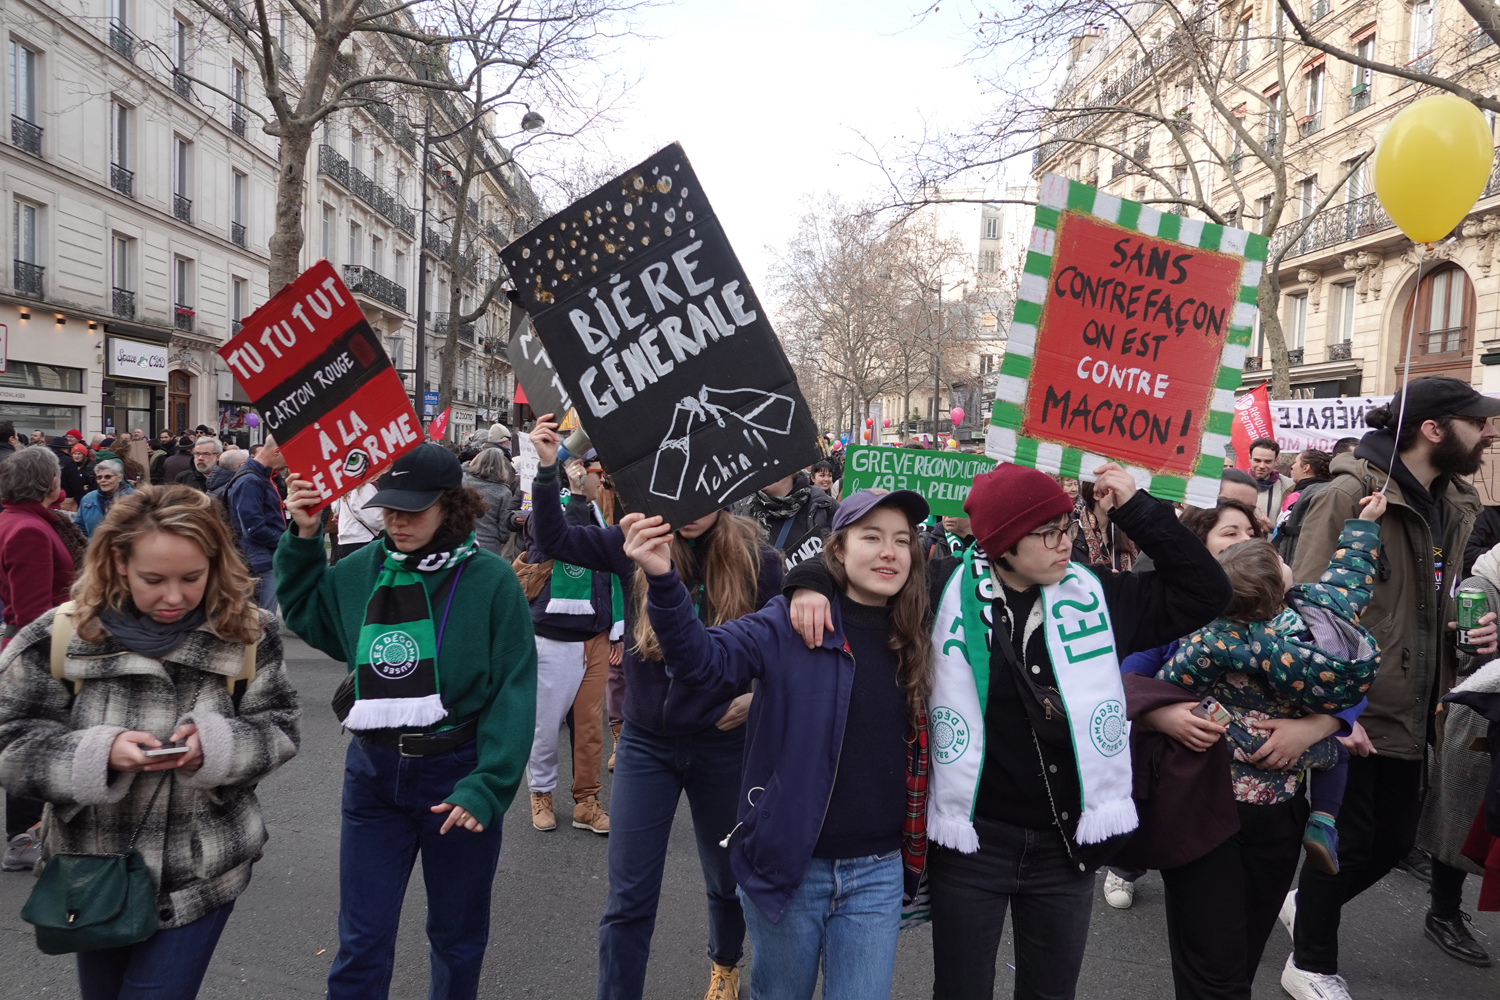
(323, 384)
(661, 344)
(134, 359)
(942, 477)
(1129, 335)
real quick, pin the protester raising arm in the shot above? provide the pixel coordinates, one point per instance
(589, 546)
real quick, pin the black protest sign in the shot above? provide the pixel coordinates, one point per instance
(665, 350)
(544, 388)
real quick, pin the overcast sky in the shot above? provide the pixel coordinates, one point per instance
(770, 99)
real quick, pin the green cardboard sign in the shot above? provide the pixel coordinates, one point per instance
(942, 478)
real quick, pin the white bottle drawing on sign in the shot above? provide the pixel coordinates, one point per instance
(770, 412)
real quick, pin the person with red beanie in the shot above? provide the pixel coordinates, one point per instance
(1030, 784)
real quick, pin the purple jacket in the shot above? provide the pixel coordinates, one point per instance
(652, 701)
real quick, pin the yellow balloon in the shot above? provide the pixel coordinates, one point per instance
(1431, 164)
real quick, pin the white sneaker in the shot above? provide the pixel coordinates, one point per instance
(1288, 914)
(1118, 892)
(1312, 985)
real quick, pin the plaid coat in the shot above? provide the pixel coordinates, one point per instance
(205, 830)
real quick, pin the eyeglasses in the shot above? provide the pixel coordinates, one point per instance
(1051, 537)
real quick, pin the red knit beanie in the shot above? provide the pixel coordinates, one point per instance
(1009, 501)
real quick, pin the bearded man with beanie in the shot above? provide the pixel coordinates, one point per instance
(1030, 784)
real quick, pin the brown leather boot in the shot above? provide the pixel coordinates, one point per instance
(590, 815)
(723, 983)
(542, 816)
(614, 734)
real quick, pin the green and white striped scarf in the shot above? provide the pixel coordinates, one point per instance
(395, 671)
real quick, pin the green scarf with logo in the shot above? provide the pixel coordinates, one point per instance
(395, 671)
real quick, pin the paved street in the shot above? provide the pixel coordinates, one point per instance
(551, 889)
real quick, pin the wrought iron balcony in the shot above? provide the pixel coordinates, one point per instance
(1254, 363)
(365, 281)
(284, 59)
(120, 40)
(25, 135)
(123, 303)
(182, 207)
(1478, 39)
(237, 233)
(1313, 123)
(1116, 169)
(28, 279)
(1295, 357)
(1236, 162)
(1320, 9)
(1359, 98)
(182, 317)
(181, 84)
(1334, 225)
(332, 164)
(237, 121)
(1242, 64)
(440, 325)
(1340, 352)
(381, 200)
(235, 326)
(122, 180)
(1143, 150)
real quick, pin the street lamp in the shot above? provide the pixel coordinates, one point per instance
(531, 121)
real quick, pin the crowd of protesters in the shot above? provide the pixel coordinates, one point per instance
(879, 717)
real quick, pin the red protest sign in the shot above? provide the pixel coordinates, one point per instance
(1129, 344)
(323, 384)
(439, 425)
(1252, 421)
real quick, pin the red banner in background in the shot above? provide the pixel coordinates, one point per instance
(1252, 420)
(439, 425)
(322, 382)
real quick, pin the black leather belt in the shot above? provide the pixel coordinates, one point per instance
(422, 744)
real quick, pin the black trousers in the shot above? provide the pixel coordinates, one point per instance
(1222, 907)
(21, 814)
(1030, 873)
(1377, 827)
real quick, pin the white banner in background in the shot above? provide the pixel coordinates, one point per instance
(1300, 424)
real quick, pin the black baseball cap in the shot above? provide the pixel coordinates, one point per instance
(860, 503)
(418, 478)
(1434, 396)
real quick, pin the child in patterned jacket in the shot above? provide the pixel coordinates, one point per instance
(1283, 651)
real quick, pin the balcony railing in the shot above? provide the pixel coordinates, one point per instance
(1143, 150)
(381, 200)
(1334, 225)
(365, 281)
(237, 122)
(1320, 9)
(1478, 39)
(182, 317)
(235, 326)
(26, 136)
(1340, 352)
(120, 40)
(237, 233)
(1359, 98)
(284, 59)
(1423, 63)
(444, 180)
(182, 84)
(28, 279)
(1236, 162)
(123, 303)
(182, 207)
(122, 180)
(1294, 358)
(1242, 64)
(1311, 124)
(1116, 169)
(1254, 363)
(330, 162)
(440, 325)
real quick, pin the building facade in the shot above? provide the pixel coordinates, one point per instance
(139, 201)
(1349, 284)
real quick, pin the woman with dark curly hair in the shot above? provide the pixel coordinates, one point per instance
(441, 699)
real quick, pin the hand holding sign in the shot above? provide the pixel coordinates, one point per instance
(302, 500)
(1113, 486)
(648, 542)
(545, 439)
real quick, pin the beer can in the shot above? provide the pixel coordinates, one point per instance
(1472, 606)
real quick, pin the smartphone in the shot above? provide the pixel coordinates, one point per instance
(1210, 709)
(165, 751)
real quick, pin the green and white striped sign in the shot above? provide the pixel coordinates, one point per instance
(1043, 415)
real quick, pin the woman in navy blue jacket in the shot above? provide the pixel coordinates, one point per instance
(675, 738)
(823, 805)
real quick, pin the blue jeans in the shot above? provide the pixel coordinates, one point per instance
(387, 821)
(169, 965)
(265, 590)
(651, 773)
(846, 913)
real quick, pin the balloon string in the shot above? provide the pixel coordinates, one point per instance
(1411, 325)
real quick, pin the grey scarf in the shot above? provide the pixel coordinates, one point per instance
(145, 635)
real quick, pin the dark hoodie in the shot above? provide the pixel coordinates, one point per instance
(1379, 449)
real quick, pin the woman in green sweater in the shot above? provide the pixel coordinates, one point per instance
(438, 639)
